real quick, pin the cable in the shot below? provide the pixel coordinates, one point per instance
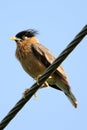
(12, 113)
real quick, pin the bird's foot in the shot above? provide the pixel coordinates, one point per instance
(46, 84)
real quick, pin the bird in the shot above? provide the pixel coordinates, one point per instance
(35, 58)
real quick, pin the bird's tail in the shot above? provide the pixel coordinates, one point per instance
(72, 98)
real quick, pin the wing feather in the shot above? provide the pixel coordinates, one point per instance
(46, 57)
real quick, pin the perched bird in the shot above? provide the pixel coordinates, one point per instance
(35, 58)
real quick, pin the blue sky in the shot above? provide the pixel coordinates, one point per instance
(57, 22)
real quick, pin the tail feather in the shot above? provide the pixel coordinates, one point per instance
(72, 98)
(60, 85)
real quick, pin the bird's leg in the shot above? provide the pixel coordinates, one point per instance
(35, 95)
(37, 79)
(46, 84)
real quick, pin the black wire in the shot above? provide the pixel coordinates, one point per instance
(12, 113)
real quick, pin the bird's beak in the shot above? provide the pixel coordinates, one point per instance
(13, 38)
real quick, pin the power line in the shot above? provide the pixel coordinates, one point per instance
(71, 46)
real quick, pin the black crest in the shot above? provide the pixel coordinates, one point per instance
(26, 33)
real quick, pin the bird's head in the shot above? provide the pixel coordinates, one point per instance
(25, 35)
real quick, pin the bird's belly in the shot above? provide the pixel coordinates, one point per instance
(33, 66)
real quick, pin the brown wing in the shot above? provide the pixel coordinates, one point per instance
(46, 57)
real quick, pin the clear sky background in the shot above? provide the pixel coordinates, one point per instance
(57, 22)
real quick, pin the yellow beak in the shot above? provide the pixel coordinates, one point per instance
(13, 38)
